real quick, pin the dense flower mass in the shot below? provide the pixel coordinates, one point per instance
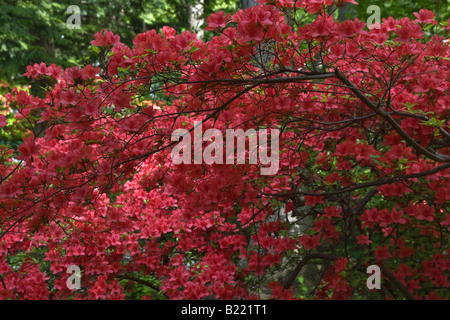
(363, 179)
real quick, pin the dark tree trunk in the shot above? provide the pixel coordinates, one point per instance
(248, 3)
(342, 11)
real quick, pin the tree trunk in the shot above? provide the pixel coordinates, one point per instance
(342, 11)
(195, 17)
(248, 3)
(438, 4)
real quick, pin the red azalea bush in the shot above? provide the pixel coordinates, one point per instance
(363, 178)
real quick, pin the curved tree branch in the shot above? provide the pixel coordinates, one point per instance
(140, 281)
(290, 280)
(393, 279)
(365, 185)
(429, 154)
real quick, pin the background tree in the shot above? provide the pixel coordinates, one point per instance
(36, 31)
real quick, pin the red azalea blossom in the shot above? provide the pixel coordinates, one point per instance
(422, 212)
(309, 242)
(363, 239)
(340, 265)
(217, 20)
(425, 16)
(3, 121)
(447, 221)
(105, 38)
(28, 149)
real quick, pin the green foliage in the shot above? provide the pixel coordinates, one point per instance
(36, 31)
(398, 9)
(145, 287)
